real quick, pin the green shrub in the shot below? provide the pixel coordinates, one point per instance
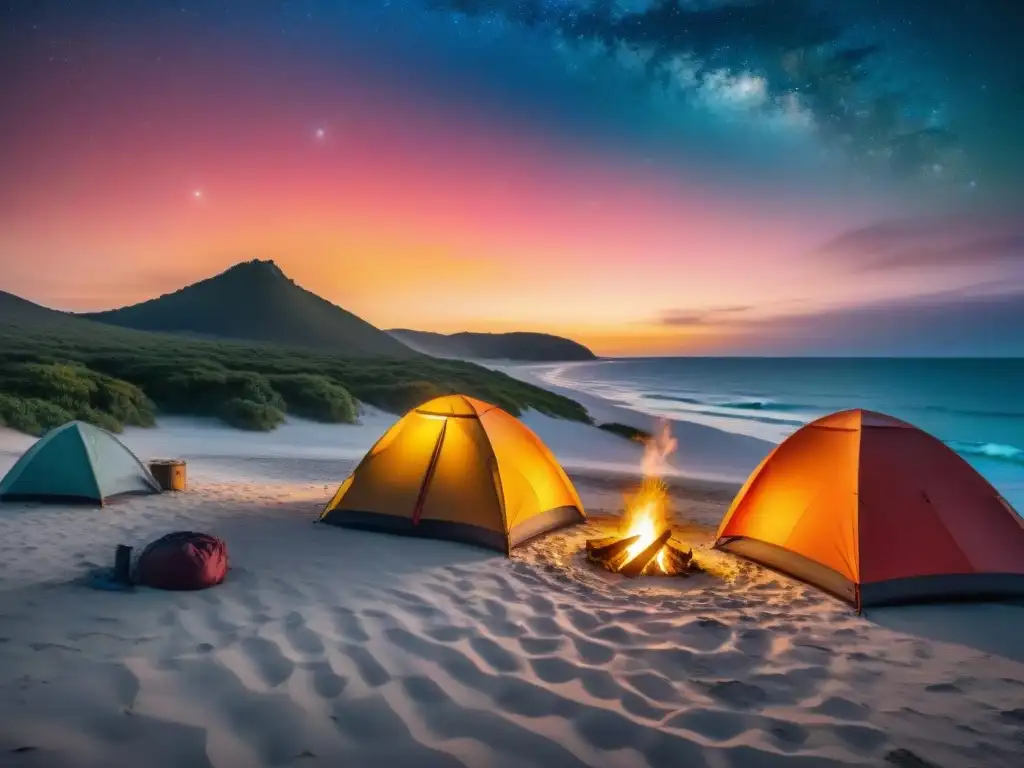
(32, 415)
(626, 431)
(316, 397)
(401, 397)
(247, 414)
(108, 421)
(73, 391)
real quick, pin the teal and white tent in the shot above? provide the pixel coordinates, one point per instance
(76, 462)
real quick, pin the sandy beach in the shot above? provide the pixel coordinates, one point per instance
(334, 647)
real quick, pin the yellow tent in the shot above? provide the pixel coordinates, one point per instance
(460, 469)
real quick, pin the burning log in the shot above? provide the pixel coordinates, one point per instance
(679, 561)
(636, 566)
(602, 553)
(593, 544)
(661, 556)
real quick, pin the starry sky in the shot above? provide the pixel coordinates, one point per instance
(649, 177)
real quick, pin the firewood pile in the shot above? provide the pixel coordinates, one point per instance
(629, 556)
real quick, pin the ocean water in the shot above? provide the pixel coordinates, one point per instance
(976, 406)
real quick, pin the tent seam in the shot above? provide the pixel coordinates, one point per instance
(856, 517)
(428, 476)
(499, 488)
(92, 466)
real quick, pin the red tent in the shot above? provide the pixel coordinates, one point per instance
(876, 511)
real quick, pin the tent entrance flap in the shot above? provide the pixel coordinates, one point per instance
(417, 512)
(793, 564)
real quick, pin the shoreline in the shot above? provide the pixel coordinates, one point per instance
(704, 453)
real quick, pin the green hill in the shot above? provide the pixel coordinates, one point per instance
(519, 346)
(56, 366)
(256, 301)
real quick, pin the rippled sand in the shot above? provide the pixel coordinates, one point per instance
(333, 647)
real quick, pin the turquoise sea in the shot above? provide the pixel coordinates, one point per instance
(975, 405)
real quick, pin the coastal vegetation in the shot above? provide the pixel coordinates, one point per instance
(626, 431)
(56, 367)
(518, 346)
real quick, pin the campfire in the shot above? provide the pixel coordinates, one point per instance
(643, 545)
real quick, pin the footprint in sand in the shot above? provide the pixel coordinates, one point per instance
(711, 724)
(452, 661)
(447, 633)
(615, 634)
(656, 627)
(861, 738)
(423, 690)
(370, 720)
(1013, 715)
(654, 686)
(494, 655)
(301, 637)
(538, 646)
(704, 634)
(266, 658)
(677, 664)
(554, 670)
(842, 709)
(367, 666)
(738, 694)
(326, 683)
(599, 684)
(593, 653)
(545, 626)
(582, 621)
(349, 625)
(541, 605)
(526, 699)
(605, 729)
(502, 627)
(754, 642)
(217, 624)
(640, 707)
(787, 735)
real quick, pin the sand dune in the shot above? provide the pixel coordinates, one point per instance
(329, 647)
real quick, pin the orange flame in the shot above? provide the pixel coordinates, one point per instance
(646, 512)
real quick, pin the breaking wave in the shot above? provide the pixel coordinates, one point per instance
(746, 404)
(739, 416)
(971, 412)
(997, 451)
